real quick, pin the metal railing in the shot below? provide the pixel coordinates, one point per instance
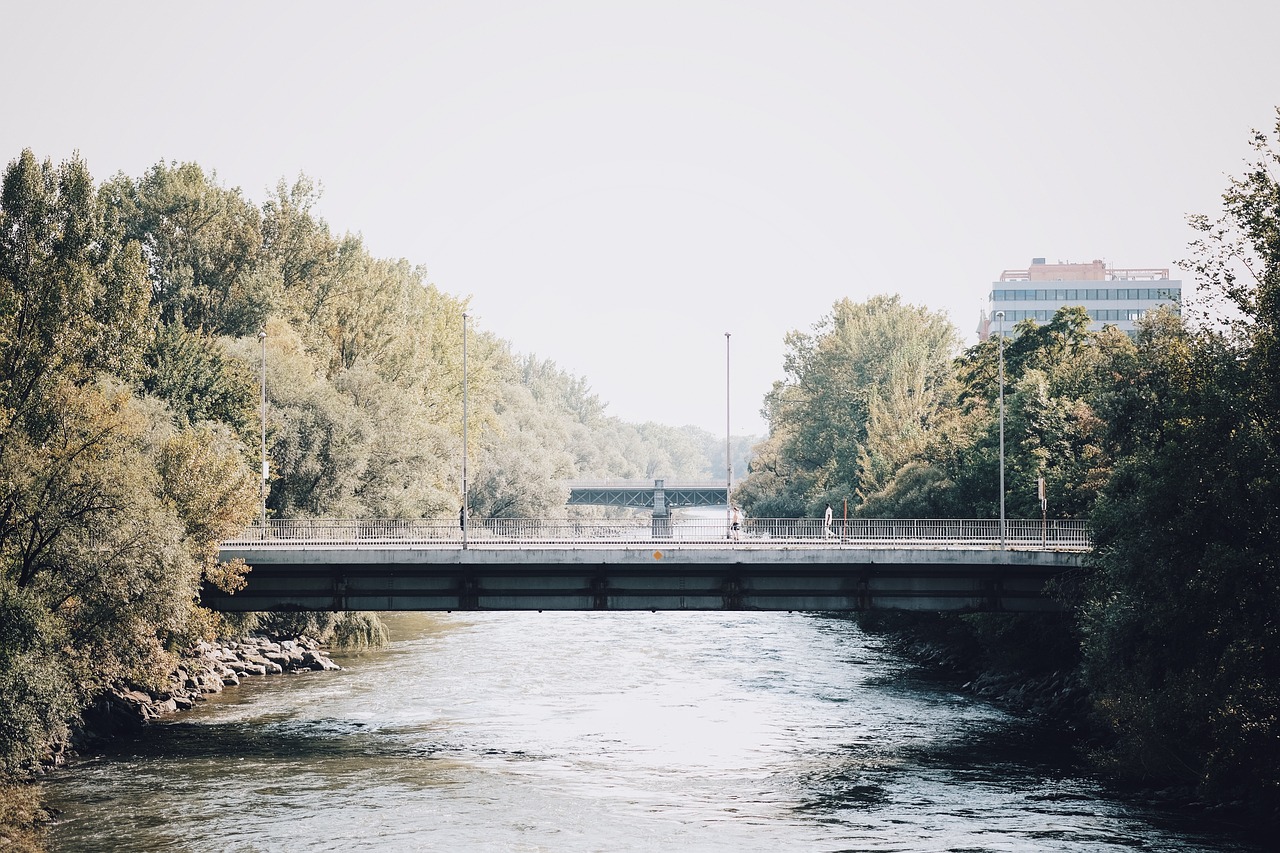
(1020, 534)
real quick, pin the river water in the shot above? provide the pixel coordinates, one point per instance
(604, 732)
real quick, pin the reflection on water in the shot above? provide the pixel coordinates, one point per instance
(585, 732)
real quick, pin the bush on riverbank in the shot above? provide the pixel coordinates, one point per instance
(23, 820)
(347, 631)
(1027, 662)
(207, 668)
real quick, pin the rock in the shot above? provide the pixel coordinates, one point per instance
(209, 668)
(318, 661)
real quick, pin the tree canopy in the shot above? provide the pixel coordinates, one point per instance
(1167, 442)
(131, 365)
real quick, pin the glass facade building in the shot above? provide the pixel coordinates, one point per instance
(1113, 297)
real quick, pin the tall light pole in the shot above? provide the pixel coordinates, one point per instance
(1000, 317)
(728, 445)
(262, 486)
(462, 514)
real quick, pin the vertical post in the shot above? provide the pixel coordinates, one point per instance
(1000, 317)
(728, 448)
(262, 486)
(1044, 512)
(462, 515)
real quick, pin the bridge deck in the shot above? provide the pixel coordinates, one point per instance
(327, 572)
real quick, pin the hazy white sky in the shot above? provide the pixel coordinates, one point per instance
(618, 184)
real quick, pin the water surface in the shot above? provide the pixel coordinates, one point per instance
(605, 732)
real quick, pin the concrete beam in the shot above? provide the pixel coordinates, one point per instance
(653, 578)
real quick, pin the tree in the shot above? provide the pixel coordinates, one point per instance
(202, 243)
(856, 389)
(1181, 640)
(73, 297)
(193, 374)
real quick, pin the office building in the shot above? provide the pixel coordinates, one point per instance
(1112, 296)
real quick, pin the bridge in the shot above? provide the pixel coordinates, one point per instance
(594, 564)
(658, 496)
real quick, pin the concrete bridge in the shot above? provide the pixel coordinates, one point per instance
(779, 564)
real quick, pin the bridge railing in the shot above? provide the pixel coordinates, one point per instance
(1022, 534)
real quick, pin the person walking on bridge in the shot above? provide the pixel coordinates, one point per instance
(826, 521)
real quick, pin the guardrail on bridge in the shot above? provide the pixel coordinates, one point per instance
(1021, 534)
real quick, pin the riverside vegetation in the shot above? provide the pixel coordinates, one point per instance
(1168, 443)
(130, 315)
(129, 350)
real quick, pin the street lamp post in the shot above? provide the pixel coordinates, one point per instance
(728, 445)
(1000, 317)
(262, 486)
(462, 515)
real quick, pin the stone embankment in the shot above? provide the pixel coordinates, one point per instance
(208, 669)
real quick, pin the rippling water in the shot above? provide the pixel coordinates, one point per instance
(602, 732)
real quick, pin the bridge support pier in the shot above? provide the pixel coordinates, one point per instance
(661, 512)
(732, 590)
(600, 593)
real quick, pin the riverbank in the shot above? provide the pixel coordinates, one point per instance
(23, 819)
(1038, 676)
(209, 668)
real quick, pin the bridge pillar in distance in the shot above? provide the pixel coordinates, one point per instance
(661, 511)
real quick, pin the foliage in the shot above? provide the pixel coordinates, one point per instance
(73, 300)
(38, 694)
(852, 408)
(201, 242)
(1056, 378)
(213, 491)
(1182, 642)
(346, 631)
(192, 373)
(23, 820)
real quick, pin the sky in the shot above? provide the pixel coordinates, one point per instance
(617, 185)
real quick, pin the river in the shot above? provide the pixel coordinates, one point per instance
(604, 732)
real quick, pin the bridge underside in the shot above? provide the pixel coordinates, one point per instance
(474, 580)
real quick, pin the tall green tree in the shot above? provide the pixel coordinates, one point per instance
(1182, 640)
(74, 298)
(856, 390)
(202, 243)
(1056, 377)
(192, 372)
(109, 514)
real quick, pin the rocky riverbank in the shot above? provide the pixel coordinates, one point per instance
(209, 668)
